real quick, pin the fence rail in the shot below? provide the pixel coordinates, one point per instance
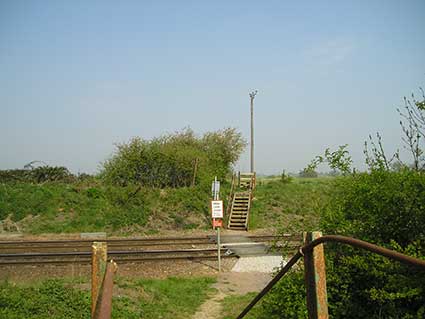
(307, 251)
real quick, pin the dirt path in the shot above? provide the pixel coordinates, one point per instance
(231, 283)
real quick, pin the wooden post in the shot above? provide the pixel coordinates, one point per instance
(99, 255)
(195, 171)
(315, 279)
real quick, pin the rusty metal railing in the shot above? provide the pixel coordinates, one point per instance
(316, 281)
(102, 282)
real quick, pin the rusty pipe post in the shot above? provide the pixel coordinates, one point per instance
(315, 278)
(99, 255)
(103, 308)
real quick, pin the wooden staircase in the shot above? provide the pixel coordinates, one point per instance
(240, 202)
(239, 213)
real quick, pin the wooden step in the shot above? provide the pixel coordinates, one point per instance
(237, 225)
(239, 211)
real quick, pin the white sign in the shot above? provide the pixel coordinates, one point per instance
(215, 189)
(217, 209)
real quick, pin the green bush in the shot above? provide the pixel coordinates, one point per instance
(170, 160)
(382, 207)
(37, 175)
(386, 208)
(287, 299)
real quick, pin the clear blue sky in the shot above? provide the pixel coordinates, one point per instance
(78, 76)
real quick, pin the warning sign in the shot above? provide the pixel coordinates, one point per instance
(217, 223)
(217, 209)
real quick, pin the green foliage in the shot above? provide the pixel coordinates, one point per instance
(339, 161)
(39, 174)
(51, 299)
(173, 297)
(234, 304)
(285, 178)
(293, 207)
(376, 159)
(385, 208)
(381, 206)
(308, 173)
(171, 160)
(413, 127)
(92, 206)
(151, 299)
(287, 299)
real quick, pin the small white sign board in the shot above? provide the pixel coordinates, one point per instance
(215, 189)
(217, 209)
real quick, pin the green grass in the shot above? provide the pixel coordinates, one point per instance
(49, 299)
(149, 299)
(234, 304)
(170, 298)
(67, 208)
(93, 206)
(292, 207)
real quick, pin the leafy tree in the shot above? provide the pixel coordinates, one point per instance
(412, 123)
(413, 127)
(169, 160)
(376, 158)
(339, 161)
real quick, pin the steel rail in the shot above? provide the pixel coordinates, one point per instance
(121, 260)
(88, 245)
(339, 239)
(112, 241)
(132, 246)
(112, 252)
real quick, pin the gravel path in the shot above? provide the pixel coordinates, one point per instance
(266, 264)
(250, 274)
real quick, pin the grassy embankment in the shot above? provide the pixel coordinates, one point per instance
(93, 206)
(290, 207)
(139, 298)
(68, 208)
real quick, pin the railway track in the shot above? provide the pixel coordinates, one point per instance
(136, 249)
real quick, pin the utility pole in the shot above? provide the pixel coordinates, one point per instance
(252, 96)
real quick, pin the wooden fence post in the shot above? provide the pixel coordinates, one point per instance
(195, 171)
(99, 255)
(315, 278)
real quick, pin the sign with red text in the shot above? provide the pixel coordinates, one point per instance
(217, 209)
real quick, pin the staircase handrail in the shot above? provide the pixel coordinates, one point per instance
(230, 198)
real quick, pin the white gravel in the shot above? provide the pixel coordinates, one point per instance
(267, 264)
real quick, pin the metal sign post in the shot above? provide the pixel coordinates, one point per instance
(217, 216)
(219, 249)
